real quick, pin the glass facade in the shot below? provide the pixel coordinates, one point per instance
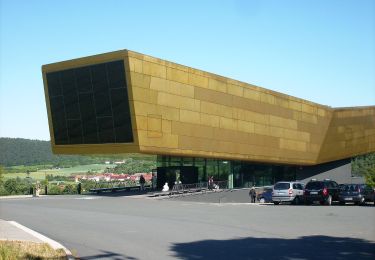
(238, 174)
(90, 105)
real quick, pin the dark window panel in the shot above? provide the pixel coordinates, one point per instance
(68, 82)
(75, 131)
(121, 114)
(60, 132)
(72, 106)
(99, 77)
(116, 74)
(103, 103)
(105, 127)
(87, 106)
(53, 82)
(93, 104)
(58, 119)
(120, 104)
(83, 79)
(124, 134)
(90, 132)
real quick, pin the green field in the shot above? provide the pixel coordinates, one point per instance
(40, 175)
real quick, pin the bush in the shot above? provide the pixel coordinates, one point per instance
(70, 189)
(54, 190)
(17, 186)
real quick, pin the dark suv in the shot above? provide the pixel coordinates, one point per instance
(323, 191)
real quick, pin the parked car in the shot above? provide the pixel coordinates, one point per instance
(324, 191)
(285, 191)
(357, 193)
(266, 195)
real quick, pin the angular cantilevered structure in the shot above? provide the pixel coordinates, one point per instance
(124, 101)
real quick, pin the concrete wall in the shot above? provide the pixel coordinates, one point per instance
(339, 171)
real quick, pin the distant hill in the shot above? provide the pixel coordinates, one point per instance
(18, 151)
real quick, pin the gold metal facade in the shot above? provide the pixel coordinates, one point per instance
(177, 110)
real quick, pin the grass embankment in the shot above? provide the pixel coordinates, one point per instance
(14, 250)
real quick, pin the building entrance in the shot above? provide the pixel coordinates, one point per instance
(175, 174)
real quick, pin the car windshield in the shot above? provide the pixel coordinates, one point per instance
(315, 185)
(282, 186)
(351, 188)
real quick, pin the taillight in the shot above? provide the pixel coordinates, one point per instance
(290, 191)
(325, 192)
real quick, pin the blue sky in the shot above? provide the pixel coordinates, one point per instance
(322, 51)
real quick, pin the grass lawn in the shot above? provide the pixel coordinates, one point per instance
(40, 175)
(28, 250)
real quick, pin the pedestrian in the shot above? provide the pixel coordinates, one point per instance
(142, 182)
(210, 182)
(79, 188)
(153, 181)
(165, 187)
(252, 194)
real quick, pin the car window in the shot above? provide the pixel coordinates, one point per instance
(282, 186)
(314, 185)
(334, 184)
(350, 187)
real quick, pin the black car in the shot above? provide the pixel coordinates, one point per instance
(324, 191)
(357, 193)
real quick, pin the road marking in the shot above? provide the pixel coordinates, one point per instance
(88, 198)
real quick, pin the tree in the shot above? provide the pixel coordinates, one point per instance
(1, 175)
(16, 186)
(2, 189)
(370, 177)
(364, 165)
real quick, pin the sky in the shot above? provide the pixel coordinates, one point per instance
(322, 51)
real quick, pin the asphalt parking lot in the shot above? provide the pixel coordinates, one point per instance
(138, 227)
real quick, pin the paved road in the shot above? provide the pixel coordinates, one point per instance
(97, 227)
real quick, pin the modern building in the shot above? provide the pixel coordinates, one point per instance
(197, 123)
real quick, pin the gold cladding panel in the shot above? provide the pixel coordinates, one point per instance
(177, 110)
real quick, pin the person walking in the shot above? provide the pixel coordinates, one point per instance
(252, 194)
(210, 182)
(142, 182)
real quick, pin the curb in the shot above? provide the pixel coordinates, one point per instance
(55, 245)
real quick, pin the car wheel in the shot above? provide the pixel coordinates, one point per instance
(362, 201)
(296, 201)
(307, 202)
(276, 202)
(329, 200)
(262, 200)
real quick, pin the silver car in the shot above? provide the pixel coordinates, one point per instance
(287, 191)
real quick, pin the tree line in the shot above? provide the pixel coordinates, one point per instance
(33, 154)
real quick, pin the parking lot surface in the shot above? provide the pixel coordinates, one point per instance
(138, 227)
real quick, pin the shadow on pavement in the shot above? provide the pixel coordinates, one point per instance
(107, 255)
(308, 247)
(119, 193)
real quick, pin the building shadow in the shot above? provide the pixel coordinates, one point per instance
(307, 247)
(119, 193)
(107, 255)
